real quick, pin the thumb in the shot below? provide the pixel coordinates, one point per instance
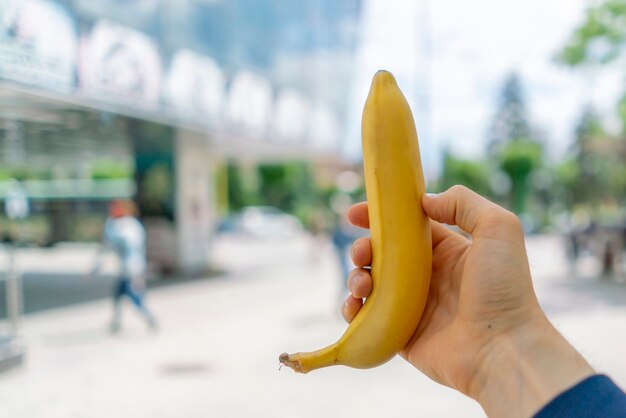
(466, 209)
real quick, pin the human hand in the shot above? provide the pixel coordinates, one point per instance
(481, 311)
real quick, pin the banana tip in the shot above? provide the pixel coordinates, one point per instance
(383, 77)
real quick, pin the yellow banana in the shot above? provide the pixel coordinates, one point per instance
(400, 235)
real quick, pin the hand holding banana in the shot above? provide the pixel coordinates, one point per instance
(480, 289)
(483, 331)
(470, 320)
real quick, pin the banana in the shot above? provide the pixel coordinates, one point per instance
(400, 235)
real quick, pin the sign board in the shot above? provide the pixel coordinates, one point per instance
(291, 117)
(120, 65)
(250, 101)
(38, 44)
(325, 129)
(194, 86)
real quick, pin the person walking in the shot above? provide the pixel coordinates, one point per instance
(126, 237)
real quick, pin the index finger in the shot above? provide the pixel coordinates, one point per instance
(358, 216)
(469, 211)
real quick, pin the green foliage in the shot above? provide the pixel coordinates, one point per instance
(520, 157)
(110, 169)
(621, 109)
(24, 173)
(600, 38)
(566, 175)
(288, 186)
(239, 195)
(601, 175)
(518, 160)
(473, 174)
(512, 148)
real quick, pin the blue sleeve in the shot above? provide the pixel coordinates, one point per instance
(596, 396)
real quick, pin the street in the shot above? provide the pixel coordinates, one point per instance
(216, 352)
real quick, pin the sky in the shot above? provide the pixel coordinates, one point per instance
(450, 58)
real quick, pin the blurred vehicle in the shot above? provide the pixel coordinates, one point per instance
(262, 222)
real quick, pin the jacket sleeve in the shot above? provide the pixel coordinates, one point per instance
(596, 396)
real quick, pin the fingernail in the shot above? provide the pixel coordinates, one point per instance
(432, 195)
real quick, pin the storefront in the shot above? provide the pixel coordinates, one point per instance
(99, 101)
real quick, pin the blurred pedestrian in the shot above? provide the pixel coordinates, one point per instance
(342, 237)
(319, 227)
(126, 237)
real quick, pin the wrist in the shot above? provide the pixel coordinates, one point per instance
(526, 368)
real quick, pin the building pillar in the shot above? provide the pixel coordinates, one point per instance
(195, 202)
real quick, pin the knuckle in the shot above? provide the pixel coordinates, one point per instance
(500, 218)
(513, 220)
(458, 189)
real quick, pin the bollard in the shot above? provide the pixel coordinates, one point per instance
(13, 294)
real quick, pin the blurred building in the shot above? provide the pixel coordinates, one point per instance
(145, 98)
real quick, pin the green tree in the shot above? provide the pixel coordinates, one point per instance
(511, 119)
(473, 174)
(588, 185)
(288, 186)
(240, 192)
(512, 147)
(594, 169)
(518, 160)
(599, 40)
(601, 37)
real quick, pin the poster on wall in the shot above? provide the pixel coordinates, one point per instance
(194, 86)
(324, 129)
(249, 103)
(38, 44)
(120, 65)
(291, 116)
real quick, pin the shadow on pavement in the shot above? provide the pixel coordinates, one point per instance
(44, 291)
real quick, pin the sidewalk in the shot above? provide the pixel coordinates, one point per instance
(216, 353)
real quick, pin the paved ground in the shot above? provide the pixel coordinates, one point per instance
(216, 352)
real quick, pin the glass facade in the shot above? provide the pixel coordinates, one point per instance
(179, 60)
(84, 86)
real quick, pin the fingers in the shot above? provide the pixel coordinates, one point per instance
(468, 210)
(360, 286)
(440, 233)
(360, 283)
(362, 252)
(357, 215)
(362, 248)
(350, 308)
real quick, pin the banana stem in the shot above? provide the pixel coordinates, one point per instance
(305, 362)
(287, 360)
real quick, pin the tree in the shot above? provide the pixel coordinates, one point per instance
(599, 40)
(588, 185)
(288, 186)
(512, 148)
(473, 174)
(511, 119)
(518, 160)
